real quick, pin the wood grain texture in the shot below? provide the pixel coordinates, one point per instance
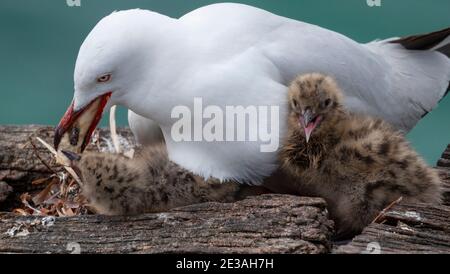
(261, 224)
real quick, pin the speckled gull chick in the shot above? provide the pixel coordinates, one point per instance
(231, 55)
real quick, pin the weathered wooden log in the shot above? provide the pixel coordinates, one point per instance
(408, 228)
(260, 224)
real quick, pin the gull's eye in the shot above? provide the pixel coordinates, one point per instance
(104, 78)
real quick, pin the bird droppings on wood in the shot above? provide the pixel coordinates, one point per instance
(408, 214)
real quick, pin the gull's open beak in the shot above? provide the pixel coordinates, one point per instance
(79, 125)
(309, 122)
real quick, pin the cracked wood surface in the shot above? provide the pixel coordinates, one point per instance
(261, 224)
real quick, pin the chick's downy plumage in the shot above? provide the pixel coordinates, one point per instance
(358, 164)
(150, 182)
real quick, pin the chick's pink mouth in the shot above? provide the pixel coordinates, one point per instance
(309, 128)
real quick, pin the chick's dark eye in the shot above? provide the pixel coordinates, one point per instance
(104, 78)
(327, 102)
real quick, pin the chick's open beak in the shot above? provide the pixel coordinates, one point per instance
(75, 129)
(309, 122)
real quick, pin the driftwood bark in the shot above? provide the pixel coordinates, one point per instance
(260, 224)
(408, 228)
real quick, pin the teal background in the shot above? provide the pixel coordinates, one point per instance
(39, 41)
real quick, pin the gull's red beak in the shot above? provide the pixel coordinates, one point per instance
(79, 125)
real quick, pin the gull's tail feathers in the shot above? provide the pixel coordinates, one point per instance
(438, 41)
(418, 72)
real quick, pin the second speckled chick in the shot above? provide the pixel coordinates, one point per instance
(358, 164)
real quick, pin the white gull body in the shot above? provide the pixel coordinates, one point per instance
(233, 54)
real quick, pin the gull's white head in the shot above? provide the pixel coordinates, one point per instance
(111, 64)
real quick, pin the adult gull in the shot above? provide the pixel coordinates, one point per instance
(238, 55)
